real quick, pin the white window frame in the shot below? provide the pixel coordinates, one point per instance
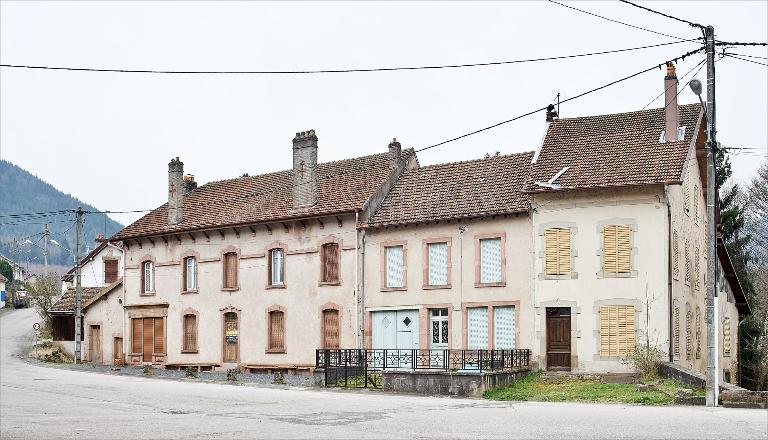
(433, 268)
(190, 264)
(148, 269)
(387, 267)
(484, 260)
(277, 262)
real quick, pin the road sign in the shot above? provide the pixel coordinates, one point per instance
(36, 326)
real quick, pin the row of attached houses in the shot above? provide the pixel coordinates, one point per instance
(579, 250)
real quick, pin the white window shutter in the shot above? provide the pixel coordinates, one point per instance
(438, 264)
(395, 266)
(477, 332)
(504, 328)
(490, 260)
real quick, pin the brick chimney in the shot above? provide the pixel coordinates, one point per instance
(305, 169)
(394, 152)
(189, 183)
(671, 110)
(175, 191)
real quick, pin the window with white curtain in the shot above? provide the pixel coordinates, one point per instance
(277, 267)
(394, 255)
(490, 260)
(437, 264)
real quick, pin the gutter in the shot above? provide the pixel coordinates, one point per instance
(669, 275)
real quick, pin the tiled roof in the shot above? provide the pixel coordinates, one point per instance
(343, 186)
(66, 304)
(457, 190)
(3, 279)
(613, 150)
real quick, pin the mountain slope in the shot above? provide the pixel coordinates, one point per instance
(23, 192)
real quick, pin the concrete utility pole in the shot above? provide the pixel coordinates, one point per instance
(712, 386)
(45, 249)
(78, 287)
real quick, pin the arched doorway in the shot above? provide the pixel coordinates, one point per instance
(231, 337)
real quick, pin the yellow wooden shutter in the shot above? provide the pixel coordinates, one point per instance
(557, 251)
(617, 249)
(617, 330)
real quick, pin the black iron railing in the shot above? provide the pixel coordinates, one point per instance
(362, 368)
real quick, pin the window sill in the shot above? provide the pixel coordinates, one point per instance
(431, 287)
(329, 283)
(189, 351)
(147, 294)
(603, 274)
(185, 292)
(275, 286)
(394, 289)
(230, 289)
(275, 351)
(501, 284)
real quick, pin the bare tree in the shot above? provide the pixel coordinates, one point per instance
(41, 295)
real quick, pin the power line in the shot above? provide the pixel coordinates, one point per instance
(621, 22)
(748, 56)
(352, 70)
(561, 102)
(663, 14)
(745, 59)
(728, 43)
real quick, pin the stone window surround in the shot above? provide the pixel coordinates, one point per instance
(574, 252)
(328, 240)
(491, 305)
(632, 223)
(490, 235)
(223, 311)
(147, 311)
(222, 253)
(190, 311)
(268, 255)
(541, 329)
(327, 306)
(142, 260)
(186, 254)
(283, 310)
(614, 302)
(383, 265)
(425, 261)
(424, 316)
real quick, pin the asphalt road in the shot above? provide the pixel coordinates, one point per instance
(39, 402)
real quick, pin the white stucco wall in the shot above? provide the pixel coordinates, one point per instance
(107, 313)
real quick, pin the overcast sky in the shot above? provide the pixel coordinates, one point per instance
(108, 137)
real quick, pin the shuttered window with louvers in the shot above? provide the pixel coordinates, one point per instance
(190, 332)
(617, 249)
(676, 343)
(687, 263)
(675, 256)
(159, 344)
(230, 270)
(437, 264)
(330, 328)
(110, 271)
(330, 263)
(696, 268)
(698, 332)
(688, 329)
(395, 261)
(490, 260)
(276, 330)
(617, 330)
(726, 337)
(136, 335)
(557, 251)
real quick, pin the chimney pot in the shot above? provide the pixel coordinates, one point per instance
(395, 151)
(305, 169)
(671, 109)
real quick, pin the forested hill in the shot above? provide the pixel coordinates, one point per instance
(23, 192)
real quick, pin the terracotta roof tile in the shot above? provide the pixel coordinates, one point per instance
(67, 301)
(343, 186)
(613, 150)
(457, 190)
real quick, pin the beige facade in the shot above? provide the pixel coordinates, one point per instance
(302, 297)
(586, 287)
(103, 323)
(464, 289)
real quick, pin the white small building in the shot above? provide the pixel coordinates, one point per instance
(3, 280)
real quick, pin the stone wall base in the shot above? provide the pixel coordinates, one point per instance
(465, 384)
(744, 399)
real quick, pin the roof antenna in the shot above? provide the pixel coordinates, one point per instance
(558, 102)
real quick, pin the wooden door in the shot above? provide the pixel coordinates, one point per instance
(117, 351)
(231, 337)
(558, 338)
(148, 325)
(94, 344)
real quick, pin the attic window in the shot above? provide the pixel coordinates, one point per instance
(680, 135)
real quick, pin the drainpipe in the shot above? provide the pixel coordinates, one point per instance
(669, 275)
(360, 281)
